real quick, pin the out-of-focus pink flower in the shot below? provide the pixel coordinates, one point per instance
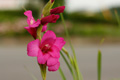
(49, 19)
(57, 10)
(32, 23)
(47, 51)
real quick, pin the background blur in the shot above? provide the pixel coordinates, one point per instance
(88, 21)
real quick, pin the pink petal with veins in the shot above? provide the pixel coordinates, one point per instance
(33, 48)
(55, 67)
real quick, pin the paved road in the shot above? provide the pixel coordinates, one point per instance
(13, 59)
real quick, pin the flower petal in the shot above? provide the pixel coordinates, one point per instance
(44, 28)
(54, 52)
(54, 68)
(30, 19)
(42, 58)
(48, 35)
(36, 24)
(50, 19)
(59, 42)
(33, 48)
(28, 13)
(32, 31)
(52, 61)
(57, 10)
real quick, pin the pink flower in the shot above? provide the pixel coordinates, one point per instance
(32, 23)
(57, 10)
(47, 51)
(49, 19)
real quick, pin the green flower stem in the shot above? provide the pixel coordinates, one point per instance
(69, 66)
(117, 17)
(75, 60)
(64, 50)
(69, 57)
(62, 74)
(99, 64)
(39, 29)
(67, 34)
(42, 66)
(43, 70)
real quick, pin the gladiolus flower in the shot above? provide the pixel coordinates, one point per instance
(57, 10)
(32, 23)
(49, 19)
(47, 50)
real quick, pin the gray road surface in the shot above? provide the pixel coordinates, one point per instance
(13, 59)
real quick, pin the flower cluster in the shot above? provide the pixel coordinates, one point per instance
(47, 50)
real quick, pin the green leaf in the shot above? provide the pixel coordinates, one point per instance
(62, 74)
(69, 66)
(117, 17)
(47, 8)
(99, 64)
(72, 48)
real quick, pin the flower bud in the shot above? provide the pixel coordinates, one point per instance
(47, 8)
(57, 10)
(52, 1)
(50, 19)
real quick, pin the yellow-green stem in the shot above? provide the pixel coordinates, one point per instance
(43, 70)
(39, 29)
(75, 60)
(42, 66)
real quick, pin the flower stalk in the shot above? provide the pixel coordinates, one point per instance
(79, 75)
(42, 66)
(43, 70)
(39, 29)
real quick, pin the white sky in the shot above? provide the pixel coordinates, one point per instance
(91, 5)
(71, 5)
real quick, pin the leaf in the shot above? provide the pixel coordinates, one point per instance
(62, 74)
(117, 17)
(99, 64)
(47, 8)
(68, 65)
(72, 48)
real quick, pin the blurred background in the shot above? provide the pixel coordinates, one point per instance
(88, 21)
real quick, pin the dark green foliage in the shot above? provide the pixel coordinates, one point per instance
(81, 17)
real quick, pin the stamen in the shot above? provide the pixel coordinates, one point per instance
(46, 48)
(31, 22)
